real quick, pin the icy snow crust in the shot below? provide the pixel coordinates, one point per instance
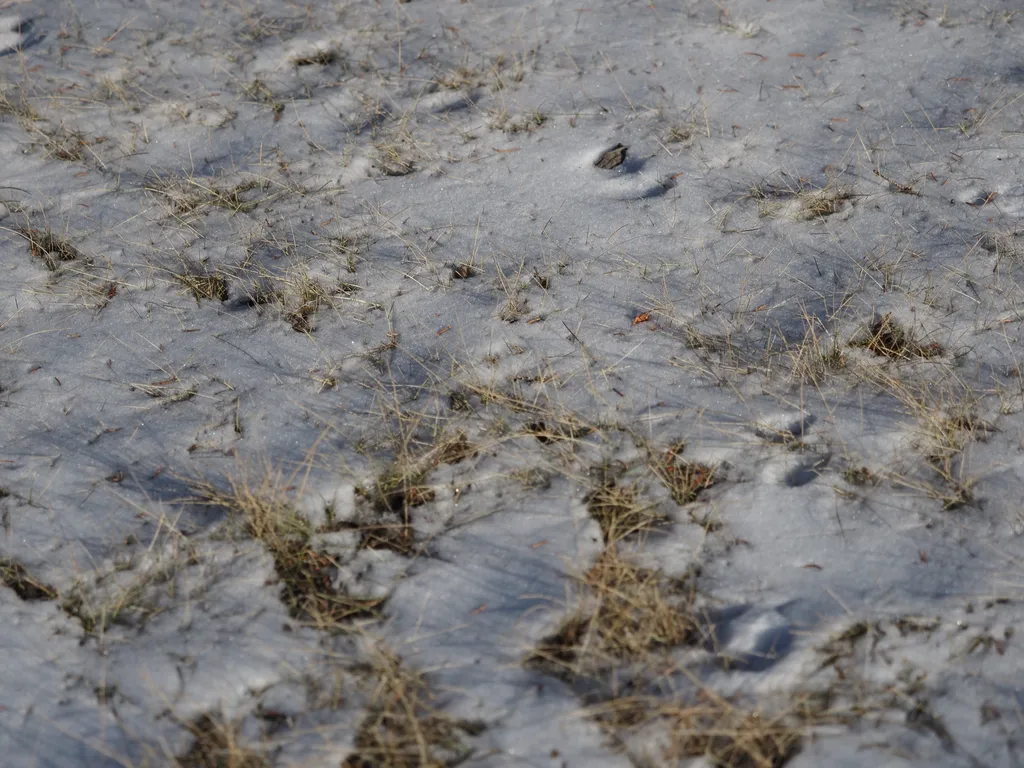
(355, 260)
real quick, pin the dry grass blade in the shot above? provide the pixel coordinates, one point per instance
(563, 430)
(947, 423)
(815, 358)
(730, 736)
(190, 195)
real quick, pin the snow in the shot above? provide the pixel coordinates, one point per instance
(445, 327)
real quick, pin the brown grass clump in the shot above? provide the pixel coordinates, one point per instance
(64, 145)
(684, 479)
(15, 576)
(52, 249)
(401, 728)
(732, 737)
(128, 606)
(402, 484)
(191, 195)
(887, 338)
(947, 423)
(400, 489)
(395, 158)
(309, 296)
(204, 284)
(711, 726)
(822, 202)
(634, 612)
(264, 512)
(619, 511)
(216, 746)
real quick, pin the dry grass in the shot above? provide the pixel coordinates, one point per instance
(396, 154)
(203, 283)
(98, 611)
(217, 745)
(817, 357)
(398, 536)
(15, 101)
(631, 616)
(816, 204)
(258, 504)
(628, 613)
(402, 485)
(1005, 244)
(260, 93)
(502, 120)
(620, 510)
(133, 591)
(192, 195)
(684, 479)
(305, 296)
(947, 422)
(15, 576)
(887, 338)
(54, 250)
(723, 732)
(557, 430)
(320, 57)
(401, 727)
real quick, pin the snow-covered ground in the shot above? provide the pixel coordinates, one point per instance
(511, 384)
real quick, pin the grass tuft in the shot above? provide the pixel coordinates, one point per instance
(712, 727)
(620, 511)
(204, 284)
(887, 338)
(401, 727)
(633, 613)
(52, 249)
(822, 202)
(684, 479)
(261, 508)
(216, 746)
(403, 484)
(563, 430)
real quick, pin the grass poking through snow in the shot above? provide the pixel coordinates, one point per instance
(402, 728)
(257, 503)
(627, 614)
